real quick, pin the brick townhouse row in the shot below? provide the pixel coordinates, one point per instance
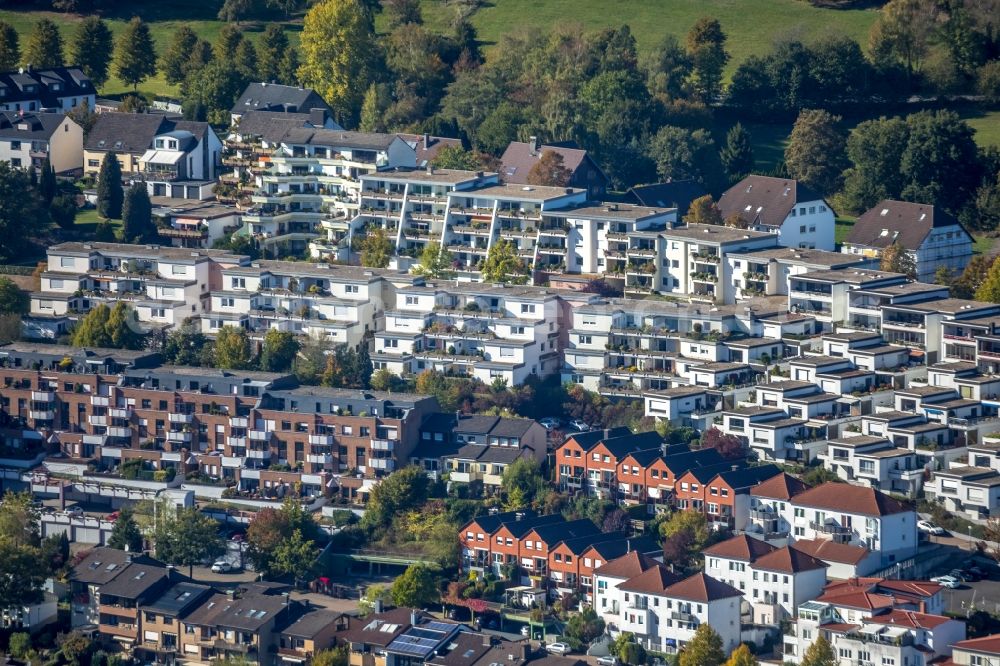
(549, 550)
(108, 407)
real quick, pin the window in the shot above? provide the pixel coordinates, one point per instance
(527, 308)
(228, 302)
(93, 163)
(15, 161)
(15, 145)
(239, 283)
(586, 339)
(411, 300)
(351, 289)
(802, 229)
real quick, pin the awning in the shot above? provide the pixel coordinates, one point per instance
(161, 156)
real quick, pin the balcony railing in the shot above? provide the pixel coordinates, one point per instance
(829, 528)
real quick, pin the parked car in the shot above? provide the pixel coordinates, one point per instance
(929, 527)
(550, 423)
(222, 566)
(968, 575)
(580, 425)
(557, 648)
(958, 574)
(610, 660)
(112, 517)
(947, 581)
(74, 511)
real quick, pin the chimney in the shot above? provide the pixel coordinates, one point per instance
(533, 145)
(487, 641)
(128, 558)
(171, 569)
(427, 141)
(231, 594)
(923, 606)
(414, 617)
(378, 604)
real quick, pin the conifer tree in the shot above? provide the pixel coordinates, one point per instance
(135, 53)
(110, 195)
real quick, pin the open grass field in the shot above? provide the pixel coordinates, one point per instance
(752, 26)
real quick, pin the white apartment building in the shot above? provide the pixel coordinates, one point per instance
(608, 599)
(766, 272)
(983, 651)
(800, 217)
(845, 514)
(411, 205)
(875, 462)
(163, 285)
(477, 219)
(56, 89)
(823, 294)
(663, 615)
(880, 636)
(313, 186)
(339, 304)
(472, 329)
(773, 580)
(688, 261)
(597, 236)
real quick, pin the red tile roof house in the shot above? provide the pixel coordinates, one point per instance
(877, 621)
(490, 541)
(983, 651)
(774, 580)
(521, 156)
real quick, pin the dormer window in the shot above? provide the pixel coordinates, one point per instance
(55, 87)
(885, 211)
(159, 143)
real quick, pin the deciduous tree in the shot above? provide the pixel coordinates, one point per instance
(338, 43)
(214, 88)
(550, 170)
(45, 46)
(704, 648)
(816, 154)
(897, 259)
(92, 47)
(12, 299)
(186, 537)
(667, 68)
(376, 249)
(706, 47)
(415, 588)
(232, 348)
(681, 153)
(742, 656)
(456, 157)
(502, 264)
(135, 53)
(401, 491)
(902, 33)
(294, 556)
(989, 288)
(940, 163)
(703, 210)
(820, 653)
(728, 446)
(236, 10)
(875, 150)
(278, 351)
(435, 262)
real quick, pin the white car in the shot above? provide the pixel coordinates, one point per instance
(222, 566)
(557, 648)
(610, 660)
(549, 423)
(577, 424)
(74, 511)
(929, 527)
(947, 581)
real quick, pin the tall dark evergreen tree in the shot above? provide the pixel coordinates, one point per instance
(110, 194)
(10, 47)
(137, 216)
(45, 46)
(135, 53)
(47, 185)
(271, 51)
(737, 154)
(174, 61)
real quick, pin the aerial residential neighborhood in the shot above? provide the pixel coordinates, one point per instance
(455, 333)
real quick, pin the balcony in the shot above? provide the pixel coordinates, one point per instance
(260, 435)
(118, 431)
(43, 396)
(95, 440)
(238, 421)
(236, 442)
(222, 644)
(120, 412)
(829, 528)
(321, 440)
(384, 444)
(257, 454)
(387, 464)
(179, 436)
(98, 419)
(100, 401)
(681, 616)
(42, 414)
(322, 459)
(180, 417)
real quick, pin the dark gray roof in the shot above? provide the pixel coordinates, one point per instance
(899, 221)
(179, 599)
(310, 623)
(676, 194)
(135, 581)
(274, 97)
(100, 566)
(476, 424)
(339, 139)
(271, 125)
(765, 200)
(134, 132)
(29, 126)
(72, 82)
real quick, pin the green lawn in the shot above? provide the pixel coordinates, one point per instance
(752, 26)
(87, 220)
(163, 17)
(844, 224)
(983, 244)
(987, 126)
